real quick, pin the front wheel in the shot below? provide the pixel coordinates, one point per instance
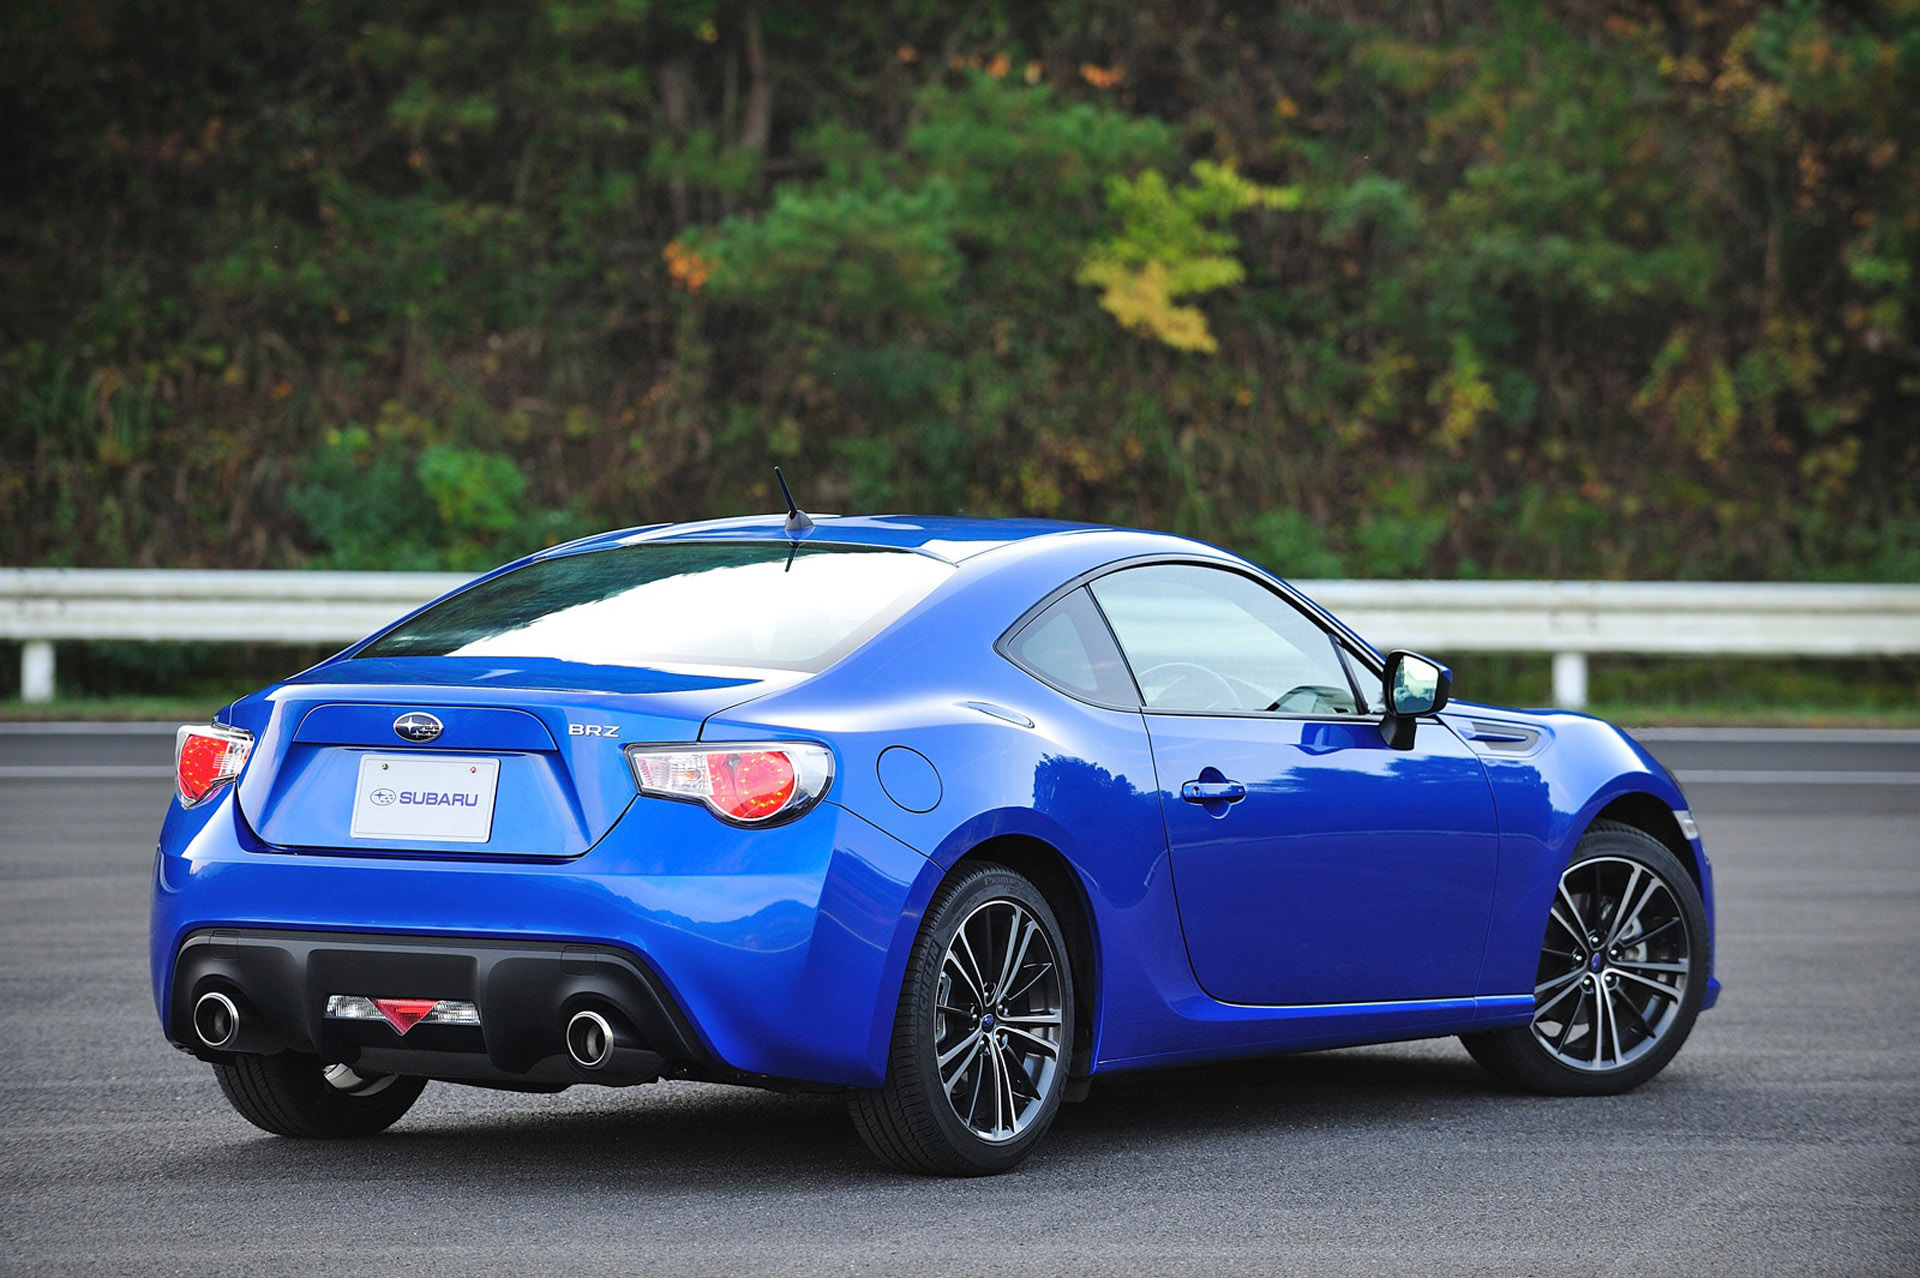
(983, 1037)
(1623, 970)
(293, 1094)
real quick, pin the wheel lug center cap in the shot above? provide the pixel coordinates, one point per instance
(1597, 962)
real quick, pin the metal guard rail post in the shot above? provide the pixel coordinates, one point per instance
(1572, 620)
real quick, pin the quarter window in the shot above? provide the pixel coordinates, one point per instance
(1071, 648)
(1200, 638)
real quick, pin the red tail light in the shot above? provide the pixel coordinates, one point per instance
(206, 758)
(745, 784)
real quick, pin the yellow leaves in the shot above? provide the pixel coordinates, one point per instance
(688, 269)
(1170, 246)
(1102, 77)
(1142, 300)
(1461, 395)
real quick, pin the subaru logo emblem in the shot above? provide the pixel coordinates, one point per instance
(416, 727)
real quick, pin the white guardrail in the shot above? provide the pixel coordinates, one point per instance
(1570, 619)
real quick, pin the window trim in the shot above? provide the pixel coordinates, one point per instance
(1329, 625)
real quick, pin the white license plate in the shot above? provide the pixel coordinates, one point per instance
(442, 800)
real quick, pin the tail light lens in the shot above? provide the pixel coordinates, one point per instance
(750, 784)
(206, 758)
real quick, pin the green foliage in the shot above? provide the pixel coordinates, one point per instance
(1565, 289)
(370, 501)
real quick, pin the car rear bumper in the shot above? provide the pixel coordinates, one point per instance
(524, 993)
(757, 955)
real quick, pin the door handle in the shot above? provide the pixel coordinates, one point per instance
(1213, 791)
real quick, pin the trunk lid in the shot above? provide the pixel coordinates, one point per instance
(457, 756)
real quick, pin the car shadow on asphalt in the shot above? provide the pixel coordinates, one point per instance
(675, 1138)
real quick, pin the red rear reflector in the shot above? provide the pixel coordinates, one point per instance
(405, 1013)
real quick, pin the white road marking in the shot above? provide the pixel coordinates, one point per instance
(102, 772)
(1762, 776)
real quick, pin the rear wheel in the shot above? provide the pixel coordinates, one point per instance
(984, 1033)
(292, 1094)
(1622, 972)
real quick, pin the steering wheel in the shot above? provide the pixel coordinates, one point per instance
(1316, 698)
(1190, 687)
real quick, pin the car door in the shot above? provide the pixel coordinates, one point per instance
(1312, 863)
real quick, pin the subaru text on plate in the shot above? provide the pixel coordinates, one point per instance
(949, 815)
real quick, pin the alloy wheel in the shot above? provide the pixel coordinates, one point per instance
(997, 1020)
(1614, 967)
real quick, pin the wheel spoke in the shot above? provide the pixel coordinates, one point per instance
(1573, 928)
(1018, 1080)
(1647, 1030)
(1630, 916)
(980, 1073)
(1544, 1008)
(1039, 973)
(1002, 1093)
(1558, 983)
(1049, 1017)
(1018, 940)
(1039, 1044)
(1643, 965)
(950, 1076)
(1669, 992)
(1613, 1023)
(960, 959)
(1599, 1023)
(1627, 944)
(1579, 926)
(1566, 1026)
(968, 966)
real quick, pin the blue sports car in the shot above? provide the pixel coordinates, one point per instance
(950, 815)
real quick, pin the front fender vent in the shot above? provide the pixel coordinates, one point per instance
(1495, 737)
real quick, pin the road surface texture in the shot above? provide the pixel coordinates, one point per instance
(1783, 1139)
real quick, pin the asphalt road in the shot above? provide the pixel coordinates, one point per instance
(1783, 1139)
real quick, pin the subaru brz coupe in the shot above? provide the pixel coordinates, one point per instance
(950, 815)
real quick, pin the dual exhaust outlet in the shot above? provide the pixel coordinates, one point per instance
(600, 1044)
(225, 1024)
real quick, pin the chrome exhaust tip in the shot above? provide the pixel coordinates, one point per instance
(216, 1020)
(589, 1040)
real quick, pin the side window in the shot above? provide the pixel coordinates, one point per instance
(1202, 638)
(1364, 678)
(1070, 647)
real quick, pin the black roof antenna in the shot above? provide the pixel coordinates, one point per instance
(797, 521)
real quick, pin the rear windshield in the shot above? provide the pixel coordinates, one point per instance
(701, 603)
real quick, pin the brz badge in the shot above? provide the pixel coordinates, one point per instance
(416, 727)
(593, 730)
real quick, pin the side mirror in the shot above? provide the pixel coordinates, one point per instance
(1414, 686)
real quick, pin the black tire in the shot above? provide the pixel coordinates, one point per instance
(919, 1122)
(1610, 1014)
(290, 1094)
